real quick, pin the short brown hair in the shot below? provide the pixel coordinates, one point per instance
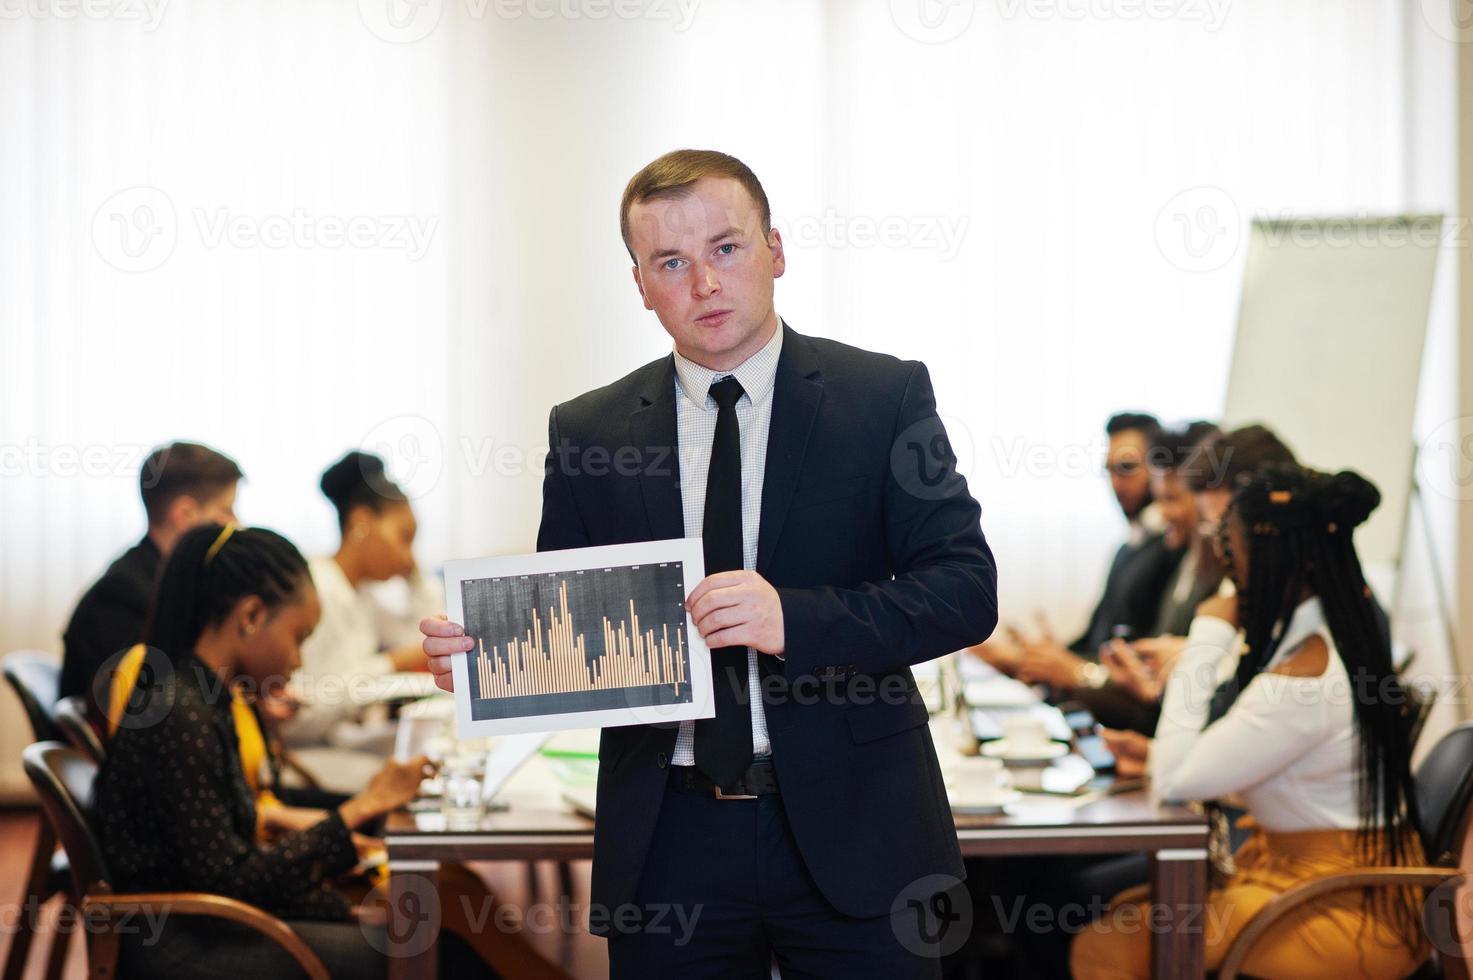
(183, 469)
(673, 174)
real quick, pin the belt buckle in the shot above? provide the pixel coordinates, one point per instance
(733, 796)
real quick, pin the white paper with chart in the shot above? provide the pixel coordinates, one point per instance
(582, 638)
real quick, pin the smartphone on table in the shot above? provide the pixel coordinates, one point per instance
(1087, 738)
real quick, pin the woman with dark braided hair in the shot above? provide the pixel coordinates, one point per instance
(173, 804)
(1313, 744)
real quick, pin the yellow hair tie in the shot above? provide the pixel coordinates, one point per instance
(225, 534)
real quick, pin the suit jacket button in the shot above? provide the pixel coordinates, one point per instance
(662, 761)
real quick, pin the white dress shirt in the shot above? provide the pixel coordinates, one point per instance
(342, 654)
(695, 423)
(1287, 746)
(1145, 524)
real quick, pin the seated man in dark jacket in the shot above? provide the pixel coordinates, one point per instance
(1129, 696)
(183, 485)
(1136, 581)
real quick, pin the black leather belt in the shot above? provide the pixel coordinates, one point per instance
(759, 780)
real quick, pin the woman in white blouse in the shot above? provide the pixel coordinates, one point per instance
(359, 637)
(1312, 742)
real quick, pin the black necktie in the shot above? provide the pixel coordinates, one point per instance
(723, 744)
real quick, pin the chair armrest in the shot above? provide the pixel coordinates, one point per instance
(374, 915)
(1308, 891)
(219, 907)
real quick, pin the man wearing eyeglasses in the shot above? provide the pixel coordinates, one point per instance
(1138, 574)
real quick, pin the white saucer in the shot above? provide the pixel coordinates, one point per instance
(998, 692)
(991, 805)
(999, 749)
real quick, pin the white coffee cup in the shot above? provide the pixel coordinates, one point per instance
(981, 781)
(1025, 733)
(1001, 784)
(980, 775)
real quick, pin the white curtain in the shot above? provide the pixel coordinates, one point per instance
(286, 229)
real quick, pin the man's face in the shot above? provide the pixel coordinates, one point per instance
(1129, 479)
(704, 266)
(217, 509)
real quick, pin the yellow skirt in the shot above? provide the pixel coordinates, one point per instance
(1334, 937)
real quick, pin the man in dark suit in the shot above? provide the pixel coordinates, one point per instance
(807, 820)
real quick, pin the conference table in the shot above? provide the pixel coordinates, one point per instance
(1174, 838)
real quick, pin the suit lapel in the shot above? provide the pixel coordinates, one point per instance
(652, 433)
(797, 391)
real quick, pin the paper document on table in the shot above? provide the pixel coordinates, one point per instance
(506, 757)
(582, 638)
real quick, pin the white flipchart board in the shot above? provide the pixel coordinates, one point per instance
(1329, 350)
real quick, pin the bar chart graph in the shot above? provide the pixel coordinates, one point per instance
(576, 641)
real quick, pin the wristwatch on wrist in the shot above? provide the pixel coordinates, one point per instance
(1093, 675)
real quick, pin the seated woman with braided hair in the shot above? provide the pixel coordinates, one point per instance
(278, 807)
(174, 803)
(1313, 743)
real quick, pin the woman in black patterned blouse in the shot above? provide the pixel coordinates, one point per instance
(172, 806)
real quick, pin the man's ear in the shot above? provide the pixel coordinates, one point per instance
(779, 260)
(640, 284)
(183, 513)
